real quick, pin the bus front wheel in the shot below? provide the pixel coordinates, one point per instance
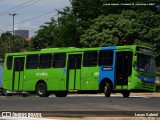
(41, 90)
(107, 89)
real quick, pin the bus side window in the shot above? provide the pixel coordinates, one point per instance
(105, 58)
(59, 60)
(32, 61)
(90, 58)
(9, 62)
(45, 61)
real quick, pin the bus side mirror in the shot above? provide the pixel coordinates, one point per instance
(135, 65)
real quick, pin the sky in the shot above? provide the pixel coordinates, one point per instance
(30, 14)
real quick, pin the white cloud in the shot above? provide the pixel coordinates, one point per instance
(26, 25)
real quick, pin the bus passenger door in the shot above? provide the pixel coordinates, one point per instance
(74, 71)
(18, 73)
(123, 69)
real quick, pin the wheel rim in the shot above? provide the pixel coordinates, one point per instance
(41, 90)
(105, 89)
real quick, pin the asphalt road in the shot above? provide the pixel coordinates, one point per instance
(88, 105)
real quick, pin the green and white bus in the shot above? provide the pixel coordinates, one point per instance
(82, 70)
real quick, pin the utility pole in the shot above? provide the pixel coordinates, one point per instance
(13, 29)
(58, 16)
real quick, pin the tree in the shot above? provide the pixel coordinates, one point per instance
(68, 29)
(101, 33)
(46, 36)
(90, 23)
(61, 33)
(20, 44)
(86, 12)
(6, 42)
(128, 27)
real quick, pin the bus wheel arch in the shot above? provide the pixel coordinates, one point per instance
(106, 87)
(41, 89)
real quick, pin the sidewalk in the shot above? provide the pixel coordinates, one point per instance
(132, 94)
(151, 94)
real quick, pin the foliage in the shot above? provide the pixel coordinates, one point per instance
(61, 33)
(92, 23)
(68, 32)
(45, 36)
(101, 33)
(21, 44)
(6, 43)
(128, 27)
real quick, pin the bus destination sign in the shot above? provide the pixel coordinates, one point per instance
(145, 50)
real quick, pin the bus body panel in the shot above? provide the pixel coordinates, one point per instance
(89, 78)
(107, 72)
(7, 75)
(54, 78)
(74, 71)
(76, 76)
(90, 74)
(1, 69)
(141, 81)
(1, 72)
(18, 73)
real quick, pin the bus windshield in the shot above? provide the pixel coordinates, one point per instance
(146, 63)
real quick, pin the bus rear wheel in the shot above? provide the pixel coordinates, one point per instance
(41, 90)
(3, 92)
(107, 89)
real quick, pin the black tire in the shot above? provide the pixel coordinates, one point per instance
(41, 90)
(24, 95)
(126, 94)
(107, 89)
(4, 92)
(61, 94)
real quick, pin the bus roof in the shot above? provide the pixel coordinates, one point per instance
(74, 49)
